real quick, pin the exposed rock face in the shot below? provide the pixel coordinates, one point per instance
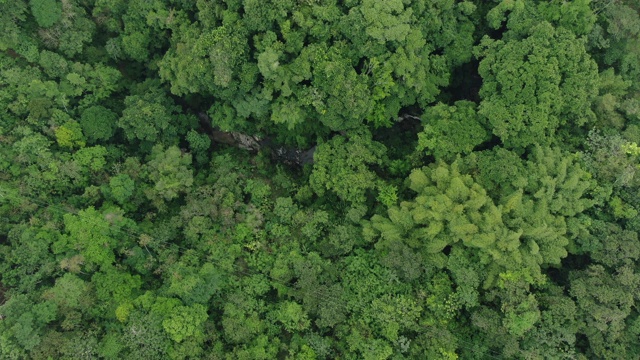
(247, 142)
(293, 156)
(287, 155)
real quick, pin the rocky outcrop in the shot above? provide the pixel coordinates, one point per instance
(287, 155)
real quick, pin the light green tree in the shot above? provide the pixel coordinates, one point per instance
(145, 118)
(451, 130)
(185, 321)
(170, 172)
(342, 165)
(88, 235)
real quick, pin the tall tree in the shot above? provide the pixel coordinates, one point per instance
(536, 84)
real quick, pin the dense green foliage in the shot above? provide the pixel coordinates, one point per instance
(474, 191)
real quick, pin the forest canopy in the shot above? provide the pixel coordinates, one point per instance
(319, 179)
